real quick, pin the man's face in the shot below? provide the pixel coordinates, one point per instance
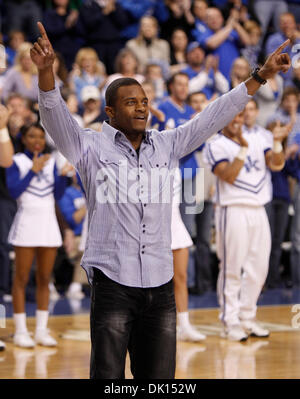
(287, 24)
(198, 101)
(131, 110)
(180, 88)
(195, 57)
(250, 114)
(290, 103)
(200, 8)
(17, 106)
(233, 128)
(214, 19)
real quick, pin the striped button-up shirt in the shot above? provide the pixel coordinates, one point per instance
(129, 226)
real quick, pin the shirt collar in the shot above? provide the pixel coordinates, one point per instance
(113, 134)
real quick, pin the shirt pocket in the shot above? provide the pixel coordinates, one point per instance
(161, 179)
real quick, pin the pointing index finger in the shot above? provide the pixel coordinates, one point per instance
(281, 47)
(42, 31)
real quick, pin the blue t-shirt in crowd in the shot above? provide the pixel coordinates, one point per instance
(227, 52)
(174, 117)
(68, 206)
(209, 89)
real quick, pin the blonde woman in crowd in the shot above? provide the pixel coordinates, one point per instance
(22, 77)
(87, 70)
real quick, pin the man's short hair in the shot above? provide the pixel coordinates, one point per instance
(173, 77)
(112, 90)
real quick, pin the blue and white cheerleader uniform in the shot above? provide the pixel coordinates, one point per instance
(35, 223)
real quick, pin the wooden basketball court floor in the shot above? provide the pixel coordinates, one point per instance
(275, 357)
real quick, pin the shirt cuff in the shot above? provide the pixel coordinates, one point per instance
(49, 99)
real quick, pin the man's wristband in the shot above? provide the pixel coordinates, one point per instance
(242, 153)
(277, 147)
(4, 135)
(257, 77)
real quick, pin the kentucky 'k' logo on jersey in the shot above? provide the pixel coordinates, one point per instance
(251, 164)
(42, 175)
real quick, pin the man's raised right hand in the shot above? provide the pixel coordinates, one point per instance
(42, 53)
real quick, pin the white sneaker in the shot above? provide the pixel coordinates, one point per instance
(2, 346)
(189, 334)
(234, 333)
(23, 340)
(75, 295)
(75, 291)
(43, 338)
(7, 298)
(254, 329)
(53, 295)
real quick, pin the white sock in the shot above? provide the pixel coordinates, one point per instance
(20, 323)
(183, 319)
(41, 320)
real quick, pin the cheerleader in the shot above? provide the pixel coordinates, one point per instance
(33, 181)
(181, 241)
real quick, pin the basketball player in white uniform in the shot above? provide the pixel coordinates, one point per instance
(240, 160)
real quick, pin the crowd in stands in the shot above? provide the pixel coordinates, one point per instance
(185, 54)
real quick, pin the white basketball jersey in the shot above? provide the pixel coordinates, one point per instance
(253, 184)
(39, 193)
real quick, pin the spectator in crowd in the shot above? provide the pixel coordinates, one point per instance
(223, 40)
(180, 16)
(138, 9)
(268, 98)
(267, 11)
(287, 30)
(92, 115)
(149, 89)
(23, 15)
(15, 39)
(178, 42)
(6, 147)
(240, 71)
(73, 207)
(277, 211)
(204, 72)
(154, 74)
(147, 46)
(288, 112)
(65, 36)
(295, 78)
(61, 72)
(20, 114)
(31, 167)
(22, 77)
(252, 50)
(198, 101)
(199, 9)
(126, 66)
(102, 22)
(87, 70)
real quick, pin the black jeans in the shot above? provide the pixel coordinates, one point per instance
(142, 320)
